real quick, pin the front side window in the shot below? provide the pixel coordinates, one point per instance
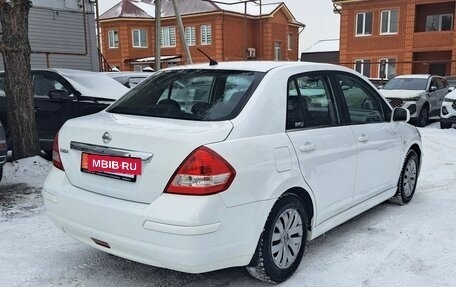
(200, 95)
(43, 84)
(113, 39)
(364, 24)
(387, 68)
(168, 37)
(190, 36)
(206, 35)
(139, 38)
(441, 22)
(310, 103)
(364, 105)
(389, 22)
(363, 67)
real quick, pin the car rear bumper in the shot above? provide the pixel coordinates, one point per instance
(185, 233)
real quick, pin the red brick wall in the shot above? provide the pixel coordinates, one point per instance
(402, 45)
(231, 36)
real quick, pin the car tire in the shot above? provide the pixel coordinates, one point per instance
(279, 251)
(422, 119)
(407, 180)
(445, 125)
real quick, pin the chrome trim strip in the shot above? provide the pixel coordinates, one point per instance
(146, 157)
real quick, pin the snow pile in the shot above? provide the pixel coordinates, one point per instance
(30, 171)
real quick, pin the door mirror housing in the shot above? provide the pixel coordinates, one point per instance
(401, 115)
(58, 95)
(432, 89)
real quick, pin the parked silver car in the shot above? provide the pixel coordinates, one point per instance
(422, 95)
(3, 149)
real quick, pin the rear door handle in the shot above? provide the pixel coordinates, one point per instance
(307, 147)
(363, 139)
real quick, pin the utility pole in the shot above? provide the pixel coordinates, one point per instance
(157, 34)
(188, 56)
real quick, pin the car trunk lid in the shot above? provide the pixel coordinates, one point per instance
(162, 144)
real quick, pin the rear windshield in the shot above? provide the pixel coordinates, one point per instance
(406, 84)
(204, 95)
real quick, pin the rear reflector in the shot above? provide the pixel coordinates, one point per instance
(203, 172)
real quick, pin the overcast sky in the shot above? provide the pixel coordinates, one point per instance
(321, 22)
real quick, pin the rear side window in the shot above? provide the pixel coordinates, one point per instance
(310, 103)
(205, 95)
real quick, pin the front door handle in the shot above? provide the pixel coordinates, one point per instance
(307, 147)
(363, 139)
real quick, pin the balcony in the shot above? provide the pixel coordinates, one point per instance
(433, 41)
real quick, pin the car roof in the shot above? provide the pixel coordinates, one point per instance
(257, 66)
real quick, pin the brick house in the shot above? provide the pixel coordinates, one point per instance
(409, 36)
(224, 31)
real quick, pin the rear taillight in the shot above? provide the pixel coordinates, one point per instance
(56, 160)
(203, 172)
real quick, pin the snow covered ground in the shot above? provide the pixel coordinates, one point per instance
(412, 245)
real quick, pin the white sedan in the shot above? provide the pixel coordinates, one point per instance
(205, 167)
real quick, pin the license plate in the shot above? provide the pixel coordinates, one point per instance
(117, 167)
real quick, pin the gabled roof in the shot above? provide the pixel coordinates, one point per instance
(129, 9)
(145, 9)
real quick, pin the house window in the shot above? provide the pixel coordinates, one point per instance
(290, 41)
(389, 22)
(387, 68)
(168, 37)
(277, 51)
(442, 22)
(363, 67)
(139, 38)
(206, 35)
(364, 24)
(190, 36)
(113, 39)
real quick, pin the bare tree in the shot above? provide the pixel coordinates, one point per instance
(15, 49)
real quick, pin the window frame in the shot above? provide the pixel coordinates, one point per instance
(290, 41)
(191, 37)
(116, 41)
(388, 27)
(440, 17)
(139, 38)
(363, 33)
(171, 43)
(387, 67)
(206, 34)
(363, 63)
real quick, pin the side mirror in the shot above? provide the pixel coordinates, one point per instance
(58, 95)
(433, 89)
(450, 89)
(401, 115)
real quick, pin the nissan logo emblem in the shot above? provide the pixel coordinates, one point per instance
(106, 137)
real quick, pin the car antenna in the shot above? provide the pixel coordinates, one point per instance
(212, 62)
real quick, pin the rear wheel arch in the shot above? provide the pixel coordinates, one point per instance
(306, 201)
